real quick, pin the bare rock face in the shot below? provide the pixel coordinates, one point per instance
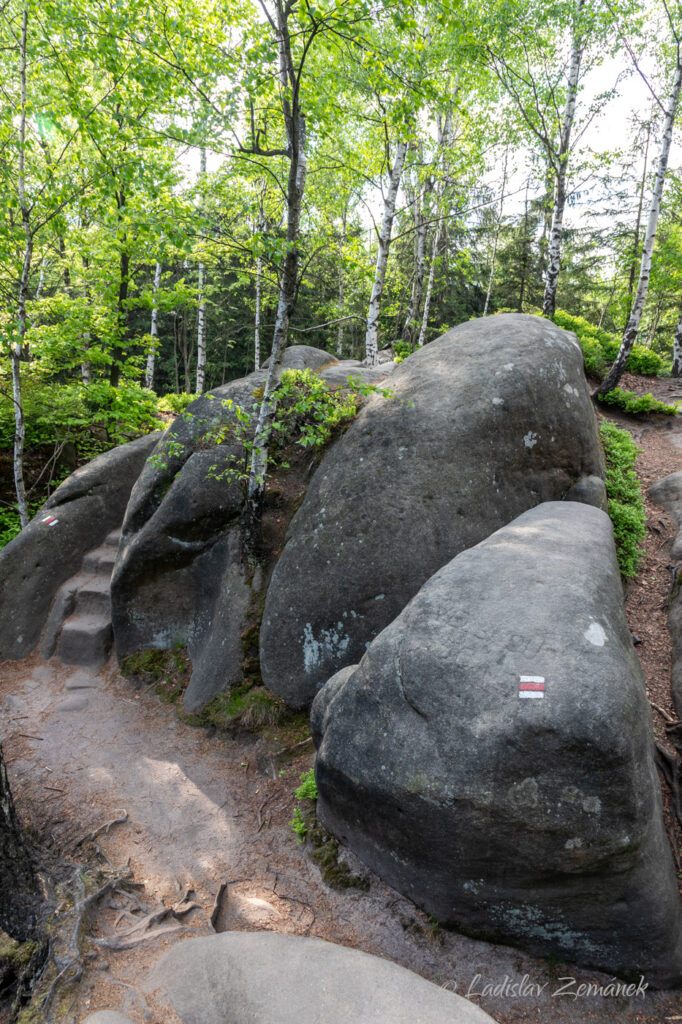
(87, 506)
(264, 978)
(304, 357)
(487, 421)
(492, 754)
(176, 579)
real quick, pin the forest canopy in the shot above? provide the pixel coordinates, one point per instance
(185, 185)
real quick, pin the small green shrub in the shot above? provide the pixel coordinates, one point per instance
(601, 347)
(300, 823)
(624, 493)
(637, 405)
(174, 403)
(308, 788)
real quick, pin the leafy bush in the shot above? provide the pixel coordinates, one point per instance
(625, 504)
(300, 823)
(637, 405)
(175, 403)
(56, 412)
(600, 347)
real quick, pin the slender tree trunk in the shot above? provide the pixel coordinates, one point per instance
(201, 318)
(339, 332)
(121, 305)
(444, 139)
(153, 332)
(18, 347)
(554, 254)
(86, 367)
(496, 238)
(638, 224)
(20, 894)
(525, 251)
(371, 334)
(418, 279)
(429, 286)
(630, 332)
(677, 351)
(259, 286)
(294, 120)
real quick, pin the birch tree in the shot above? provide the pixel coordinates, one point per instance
(383, 246)
(153, 329)
(201, 316)
(669, 111)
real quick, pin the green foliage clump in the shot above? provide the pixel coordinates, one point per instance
(308, 414)
(637, 405)
(302, 821)
(601, 347)
(175, 403)
(167, 671)
(55, 412)
(624, 493)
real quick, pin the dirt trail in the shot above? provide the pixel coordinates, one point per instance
(204, 808)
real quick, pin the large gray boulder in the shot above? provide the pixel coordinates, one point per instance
(264, 978)
(304, 357)
(177, 578)
(534, 820)
(87, 506)
(668, 493)
(487, 421)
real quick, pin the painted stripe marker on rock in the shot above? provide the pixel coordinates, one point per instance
(50, 521)
(532, 686)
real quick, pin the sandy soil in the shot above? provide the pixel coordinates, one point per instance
(202, 809)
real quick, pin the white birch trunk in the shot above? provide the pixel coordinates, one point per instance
(429, 287)
(339, 332)
(153, 332)
(259, 288)
(554, 253)
(201, 319)
(18, 347)
(294, 120)
(632, 327)
(677, 351)
(496, 238)
(372, 331)
(419, 258)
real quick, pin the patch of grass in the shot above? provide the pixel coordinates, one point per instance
(246, 707)
(167, 671)
(624, 492)
(637, 405)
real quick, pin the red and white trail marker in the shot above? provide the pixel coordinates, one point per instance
(50, 521)
(532, 687)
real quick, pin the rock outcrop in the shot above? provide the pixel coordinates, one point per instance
(177, 578)
(492, 754)
(180, 541)
(87, 506)
(304, 357)
(487, 421)
(266, 978)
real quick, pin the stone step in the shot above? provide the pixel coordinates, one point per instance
(94, 597)
(101, 560)
(86, 640)
(113, 539)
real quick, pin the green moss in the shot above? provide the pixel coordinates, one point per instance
(625, 504)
